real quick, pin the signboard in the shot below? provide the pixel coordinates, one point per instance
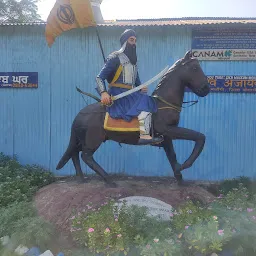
(155, 207)
(236, 84)
(18, 80)
(224, 44)
(230, 84)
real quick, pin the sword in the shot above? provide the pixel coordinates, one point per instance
(121, 95)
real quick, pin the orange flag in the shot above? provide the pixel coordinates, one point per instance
(66, 15)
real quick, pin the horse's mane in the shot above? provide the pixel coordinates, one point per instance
(173, 68)
(169, 72)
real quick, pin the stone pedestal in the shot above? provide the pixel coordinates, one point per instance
(155, 207)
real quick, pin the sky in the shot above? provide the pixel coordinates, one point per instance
(149, 9)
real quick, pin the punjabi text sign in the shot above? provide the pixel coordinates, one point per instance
(18, 80)
(224, 44)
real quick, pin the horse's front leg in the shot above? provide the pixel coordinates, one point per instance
(178, 133)
(171, 155)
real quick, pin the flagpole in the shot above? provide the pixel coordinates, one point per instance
(99, 40)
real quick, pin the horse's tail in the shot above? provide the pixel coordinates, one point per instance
(69, 151)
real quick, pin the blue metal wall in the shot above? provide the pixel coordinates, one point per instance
(35, 123)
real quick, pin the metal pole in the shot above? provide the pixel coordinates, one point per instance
(99, 40)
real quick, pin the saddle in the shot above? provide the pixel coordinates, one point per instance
(120, 125)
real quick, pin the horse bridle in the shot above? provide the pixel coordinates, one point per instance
(172, 106)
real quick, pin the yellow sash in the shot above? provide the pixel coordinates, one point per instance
(118, 72)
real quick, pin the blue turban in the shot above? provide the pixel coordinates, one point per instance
(126, 34)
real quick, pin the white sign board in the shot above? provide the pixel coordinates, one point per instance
(224, 54)
(155, 207)
(224, 44)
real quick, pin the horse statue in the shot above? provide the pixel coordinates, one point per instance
(88, 129)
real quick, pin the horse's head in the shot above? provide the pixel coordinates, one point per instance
(193, 75)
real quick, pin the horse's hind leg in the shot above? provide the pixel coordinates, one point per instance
(93, 140)
(76, 162)
(87, 157)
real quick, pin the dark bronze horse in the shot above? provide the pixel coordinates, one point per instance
(88, 133)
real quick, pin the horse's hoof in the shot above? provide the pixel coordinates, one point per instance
(111, 184)
(80, 180)
(178, 168)
(177, 172)
(179, 179)
(178, 176)
(183, 183)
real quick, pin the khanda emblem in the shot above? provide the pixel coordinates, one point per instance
(65, 14)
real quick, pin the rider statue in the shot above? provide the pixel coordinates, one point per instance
(121, 72)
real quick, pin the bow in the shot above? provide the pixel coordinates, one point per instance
(88, 94)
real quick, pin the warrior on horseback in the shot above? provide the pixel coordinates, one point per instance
(88, 129)
(121, 72)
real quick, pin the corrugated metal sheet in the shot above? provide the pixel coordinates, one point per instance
(4, 24)
(181, 22)
(6, 99)
(187, 21)
(35, 123)
(25, 115)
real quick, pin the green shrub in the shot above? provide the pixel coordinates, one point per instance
(78, 252)
(38, 176)
(166, 247)
(228, 223)
(206, 236)
(238, 211)
(236, 198)
(230, 184)
(11, 215)
(19, 183)
(4, 159)
(243, 225)
(7, 252)
(15, 190)
(20, 222)
(132, 228)
(18, 216)
(33, 231)
(189, 214)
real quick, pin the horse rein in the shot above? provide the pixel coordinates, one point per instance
(172, 106)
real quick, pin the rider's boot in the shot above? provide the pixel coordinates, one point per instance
(145, 126)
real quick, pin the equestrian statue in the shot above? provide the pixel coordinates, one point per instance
(125, 113)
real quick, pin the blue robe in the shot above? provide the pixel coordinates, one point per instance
(129, 106)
